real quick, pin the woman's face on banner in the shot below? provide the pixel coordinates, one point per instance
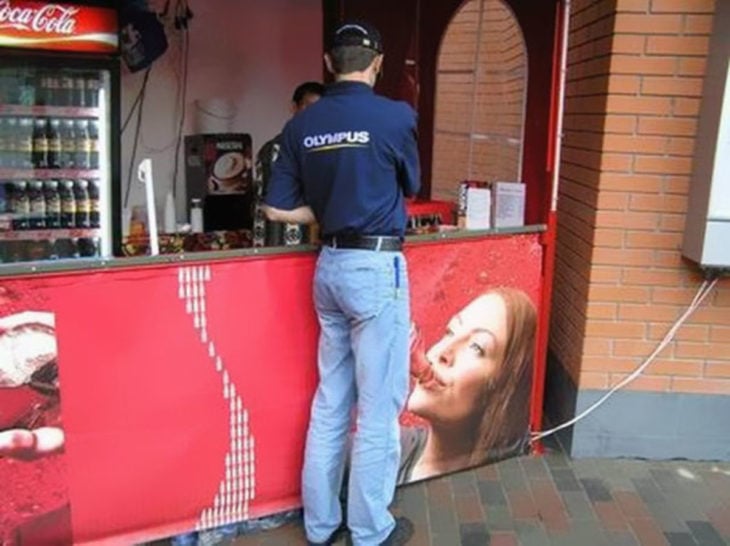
(465, 361)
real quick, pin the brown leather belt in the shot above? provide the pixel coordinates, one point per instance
(365, 242)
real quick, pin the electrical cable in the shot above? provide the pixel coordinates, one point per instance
(186, 58)
(137, 130)
(135, 104)
(706, 287)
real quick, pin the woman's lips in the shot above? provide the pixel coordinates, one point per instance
(430, 379)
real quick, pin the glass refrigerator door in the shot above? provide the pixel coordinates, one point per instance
(55, 169)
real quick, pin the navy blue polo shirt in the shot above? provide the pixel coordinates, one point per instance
(352, 157)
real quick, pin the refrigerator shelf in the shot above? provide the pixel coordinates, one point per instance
(49, 111)
(48, 174)
(49, 234)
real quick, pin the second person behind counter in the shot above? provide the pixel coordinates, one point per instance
(267, 232)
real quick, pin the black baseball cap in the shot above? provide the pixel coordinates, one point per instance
(357, 33)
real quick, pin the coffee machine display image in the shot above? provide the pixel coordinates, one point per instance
(219, 172)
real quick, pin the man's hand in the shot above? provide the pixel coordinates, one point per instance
(300, 215)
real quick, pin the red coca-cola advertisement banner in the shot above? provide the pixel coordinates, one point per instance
(58, 27)
(142, 403)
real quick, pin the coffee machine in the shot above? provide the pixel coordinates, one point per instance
(219, 172)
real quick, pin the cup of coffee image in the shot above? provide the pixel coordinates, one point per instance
(230, 174)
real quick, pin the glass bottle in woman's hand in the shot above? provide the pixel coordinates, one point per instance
(420, 367)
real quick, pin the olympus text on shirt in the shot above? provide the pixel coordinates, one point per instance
(330, 141)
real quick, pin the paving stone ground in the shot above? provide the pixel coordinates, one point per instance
(551, 500)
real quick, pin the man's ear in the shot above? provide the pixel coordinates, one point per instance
(328, 63)
(378, 66)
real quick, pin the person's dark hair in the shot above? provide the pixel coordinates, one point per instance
(347, 59)
(307, 88)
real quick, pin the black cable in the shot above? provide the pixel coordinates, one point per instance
(137, 99)
(137, 131)
(183, 107)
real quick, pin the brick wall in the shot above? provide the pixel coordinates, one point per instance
(480, 98)
(634, 89)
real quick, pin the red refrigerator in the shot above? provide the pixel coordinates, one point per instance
(59, 131)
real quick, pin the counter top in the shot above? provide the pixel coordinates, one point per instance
(101, 264)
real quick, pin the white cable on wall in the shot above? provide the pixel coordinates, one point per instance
(706, 287)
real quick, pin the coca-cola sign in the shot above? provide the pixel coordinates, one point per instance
(57, 26)
(49, 19)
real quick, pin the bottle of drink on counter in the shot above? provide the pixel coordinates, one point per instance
(83, 204)
(40, 144)
(94, 202)
(21, 205)
(79, 95)
(196, 216)
(53, 204)
(82, 158)
(68, 204)
(94, 143)
(68, 144)
(23, 130)
(37, 217)
(53, 135)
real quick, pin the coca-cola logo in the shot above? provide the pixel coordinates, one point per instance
(48, 19)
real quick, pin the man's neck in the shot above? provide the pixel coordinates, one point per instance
(360, 77)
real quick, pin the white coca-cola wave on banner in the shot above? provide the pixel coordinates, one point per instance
(98, 38)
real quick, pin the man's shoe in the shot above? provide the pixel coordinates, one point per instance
(334, 537)
(401, 533)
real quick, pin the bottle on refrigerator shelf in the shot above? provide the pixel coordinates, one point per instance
(68, 204)
(83, 204)
(54, 89)
(44, 91)
(82, 159)
(64, 248)
(53, 135)
(93, 143)
(37, 215)
(26, 88)
(53, 204)
(23, 156)
(68, 144)
(40, 144)
(88, 247)
(79, 94)
(6, 140)
(92, 91)
(94, 202)
(66, 91)
(21, 205)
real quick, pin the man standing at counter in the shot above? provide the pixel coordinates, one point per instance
(347, 162)
(275, 233)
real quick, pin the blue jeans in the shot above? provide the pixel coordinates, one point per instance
(361, 298)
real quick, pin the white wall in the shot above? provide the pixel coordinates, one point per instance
(251, 52)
